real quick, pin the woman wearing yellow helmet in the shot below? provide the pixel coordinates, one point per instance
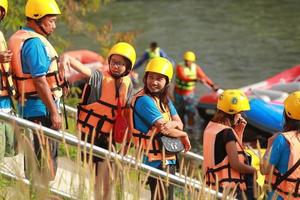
(283, 154)
(153, 114)
(224, 157)
(105, 99)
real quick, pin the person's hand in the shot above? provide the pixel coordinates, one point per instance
(64, 63)
(66, 90)
(186, 143)
(239, 124)
(215, 87)
(56, 121)
(166, 127)
(5, 56)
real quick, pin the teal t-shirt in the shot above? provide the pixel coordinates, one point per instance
(5, 102)
(36, 62)
(279, 158)
(143, 122)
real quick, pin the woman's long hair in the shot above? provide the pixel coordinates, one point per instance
(163, 96)
(291, 124)
(223, 118)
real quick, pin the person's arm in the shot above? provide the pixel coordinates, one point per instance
(164, 55)
(140, 61)
(68, 61)
(174, 132)
(150, 115)
(272, 154)
(234, 161)
(201, 76)
(176, 121)
(230, 140)
(5, 56)
(128, 102)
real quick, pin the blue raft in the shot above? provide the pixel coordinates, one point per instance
(265, 116)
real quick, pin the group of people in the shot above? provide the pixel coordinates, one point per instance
(188, 73)
(226, 164)
(107, 100)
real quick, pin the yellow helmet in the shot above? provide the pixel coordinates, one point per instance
(189, 56)
(233, 101)
(36, 9)
(4, 5)
(161, 66)
(292, 105)
(124, 49)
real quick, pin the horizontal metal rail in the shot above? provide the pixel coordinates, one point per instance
(188, 154)
(103, 153)
(69, 108)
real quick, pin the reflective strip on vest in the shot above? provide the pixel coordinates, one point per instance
(100, 115)
(6, 84)
(289, 187)
(220, 174)
(148, 141)
(153, 54)
(190, 72)
(24, 83)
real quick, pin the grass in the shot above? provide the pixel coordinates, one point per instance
(125, 178)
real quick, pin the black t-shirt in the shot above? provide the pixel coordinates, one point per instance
(222, 139)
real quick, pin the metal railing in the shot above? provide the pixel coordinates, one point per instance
(188, 154)
(103, 153)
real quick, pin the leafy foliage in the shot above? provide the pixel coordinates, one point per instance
(72, 15)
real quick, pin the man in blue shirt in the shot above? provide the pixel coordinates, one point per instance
(150, 53)
(37, 79)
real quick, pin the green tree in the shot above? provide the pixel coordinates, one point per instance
(73, 12)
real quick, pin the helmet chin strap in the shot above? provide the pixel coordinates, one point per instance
(115, 75)
(118, 76)
(38, 22)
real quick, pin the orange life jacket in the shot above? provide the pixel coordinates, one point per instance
(24, 83)
(100, 115)
(289, 187)
(221, 172)
(148, 141)
(6, 85)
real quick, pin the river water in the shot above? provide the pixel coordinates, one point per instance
(237, 42)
